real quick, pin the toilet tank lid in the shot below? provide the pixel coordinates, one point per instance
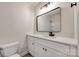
(8, 44)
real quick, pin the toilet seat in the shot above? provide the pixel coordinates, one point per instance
(15, 55)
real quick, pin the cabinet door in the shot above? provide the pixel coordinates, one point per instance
(49, 52)
(39, 50)
(31, 45)
(54, 45)
(44, 51)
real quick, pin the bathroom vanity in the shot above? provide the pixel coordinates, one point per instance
(46, 46)
(55, 21)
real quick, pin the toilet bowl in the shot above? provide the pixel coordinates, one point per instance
(9, 50)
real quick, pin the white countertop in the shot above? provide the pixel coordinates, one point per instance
(64, 40)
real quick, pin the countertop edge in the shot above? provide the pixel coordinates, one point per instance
(71, 41)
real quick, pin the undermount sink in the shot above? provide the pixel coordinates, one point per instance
(51, 37)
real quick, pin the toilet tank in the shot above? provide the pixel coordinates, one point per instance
(9, 49)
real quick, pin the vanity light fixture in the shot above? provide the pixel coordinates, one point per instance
(73, 4)
(45, 5)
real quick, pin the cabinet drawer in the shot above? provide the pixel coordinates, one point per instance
(55, 45)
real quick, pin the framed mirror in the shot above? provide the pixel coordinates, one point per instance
(49, 21)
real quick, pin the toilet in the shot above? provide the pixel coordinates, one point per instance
(9, 50)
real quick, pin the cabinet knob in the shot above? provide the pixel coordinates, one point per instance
(45, 49)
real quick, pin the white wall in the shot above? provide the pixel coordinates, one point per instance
(67, 19)
(16, 19)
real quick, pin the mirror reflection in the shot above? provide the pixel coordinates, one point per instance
(49, 21)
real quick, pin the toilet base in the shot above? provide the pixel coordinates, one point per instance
(15, 55)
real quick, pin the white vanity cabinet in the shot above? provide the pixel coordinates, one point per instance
(31, 45)
(40, 47)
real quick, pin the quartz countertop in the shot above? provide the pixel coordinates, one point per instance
(64, 40)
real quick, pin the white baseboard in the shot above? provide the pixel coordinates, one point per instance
(23, 53)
